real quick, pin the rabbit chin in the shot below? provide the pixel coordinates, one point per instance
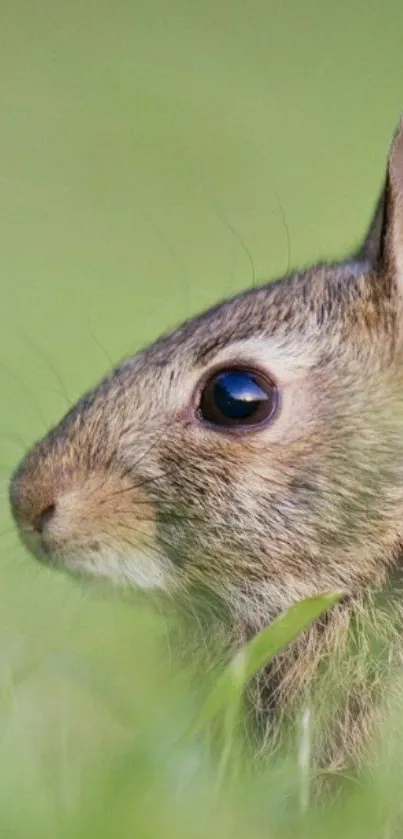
(133, 567)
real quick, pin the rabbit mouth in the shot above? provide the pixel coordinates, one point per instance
(134, 568)
(137, 567)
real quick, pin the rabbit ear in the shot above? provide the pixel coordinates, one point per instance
(383, 245)
(371, 248)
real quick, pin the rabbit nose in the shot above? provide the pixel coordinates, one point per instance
(32, 500)
(44, 517)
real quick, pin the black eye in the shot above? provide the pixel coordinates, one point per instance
(235, 398)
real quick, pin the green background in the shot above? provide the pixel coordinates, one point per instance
(145, 149)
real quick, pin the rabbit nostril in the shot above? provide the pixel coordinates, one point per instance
(44, 517)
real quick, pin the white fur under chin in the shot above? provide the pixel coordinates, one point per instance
(134, 568)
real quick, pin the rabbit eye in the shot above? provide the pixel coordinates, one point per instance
(237, 398)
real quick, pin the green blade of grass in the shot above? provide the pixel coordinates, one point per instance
(259, 652)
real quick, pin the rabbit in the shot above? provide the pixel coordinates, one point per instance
(254, 457)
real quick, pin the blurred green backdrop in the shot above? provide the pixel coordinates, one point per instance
(141, 142)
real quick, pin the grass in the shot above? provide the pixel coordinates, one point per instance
(103, 741)
(148, 147)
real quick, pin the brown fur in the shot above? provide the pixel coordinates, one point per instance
(310, 503)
